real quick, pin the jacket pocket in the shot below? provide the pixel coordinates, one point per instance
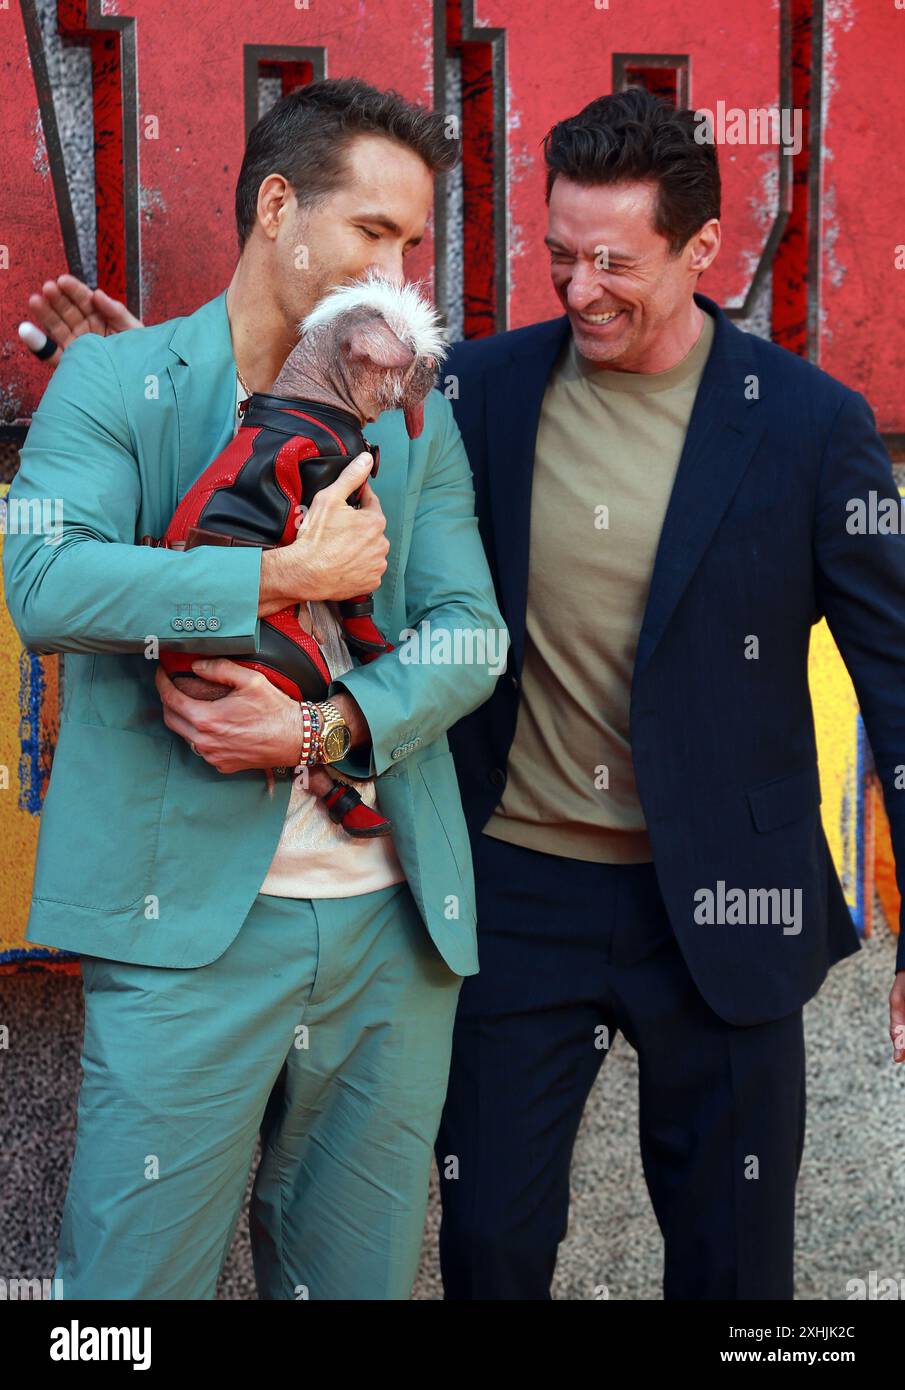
(784, 800)
(100, 822)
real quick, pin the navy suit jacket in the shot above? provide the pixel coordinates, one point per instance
(757, 541)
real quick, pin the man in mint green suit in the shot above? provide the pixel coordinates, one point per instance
(215, 1011)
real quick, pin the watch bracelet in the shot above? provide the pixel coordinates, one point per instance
(311, 752)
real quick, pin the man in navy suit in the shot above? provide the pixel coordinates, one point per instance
(668, 505)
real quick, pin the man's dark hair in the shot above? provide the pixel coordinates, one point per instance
(305, 136)
(634, 135)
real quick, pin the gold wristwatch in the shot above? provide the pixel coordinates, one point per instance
(334, 735)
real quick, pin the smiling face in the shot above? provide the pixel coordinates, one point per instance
(629, 301)
(372, 221)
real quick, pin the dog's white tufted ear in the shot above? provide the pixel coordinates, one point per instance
(406, 312)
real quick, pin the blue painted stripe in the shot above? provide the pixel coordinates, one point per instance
(32, 688)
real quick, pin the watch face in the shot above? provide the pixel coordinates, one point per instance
(337, 742)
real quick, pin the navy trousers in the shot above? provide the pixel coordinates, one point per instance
(571, 954)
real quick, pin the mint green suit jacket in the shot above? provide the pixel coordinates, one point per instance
(146, 853)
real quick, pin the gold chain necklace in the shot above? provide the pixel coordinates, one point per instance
(242, 382)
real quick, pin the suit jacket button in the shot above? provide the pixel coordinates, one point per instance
(396, 754)
(513, 680)
(498, 777)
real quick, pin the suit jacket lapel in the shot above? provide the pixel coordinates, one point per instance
(203, 374)
(514, 393)
(723, 433)
(393, 472)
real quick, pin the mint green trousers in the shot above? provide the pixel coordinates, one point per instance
(327, 1027)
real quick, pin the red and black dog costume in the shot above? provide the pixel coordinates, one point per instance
(253, 493)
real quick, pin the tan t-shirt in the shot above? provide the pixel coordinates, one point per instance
(608, 446)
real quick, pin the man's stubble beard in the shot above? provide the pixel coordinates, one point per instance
(593, 350)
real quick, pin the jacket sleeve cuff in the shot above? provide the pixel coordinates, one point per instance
(360, 762)
(229, 626)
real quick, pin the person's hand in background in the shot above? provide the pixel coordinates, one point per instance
(66, 308)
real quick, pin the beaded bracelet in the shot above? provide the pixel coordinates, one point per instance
(312, 752)
(307, 733)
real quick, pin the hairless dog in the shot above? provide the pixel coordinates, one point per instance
(368, 346)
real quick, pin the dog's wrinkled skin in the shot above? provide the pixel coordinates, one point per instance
(368, 347)
(357, 362)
